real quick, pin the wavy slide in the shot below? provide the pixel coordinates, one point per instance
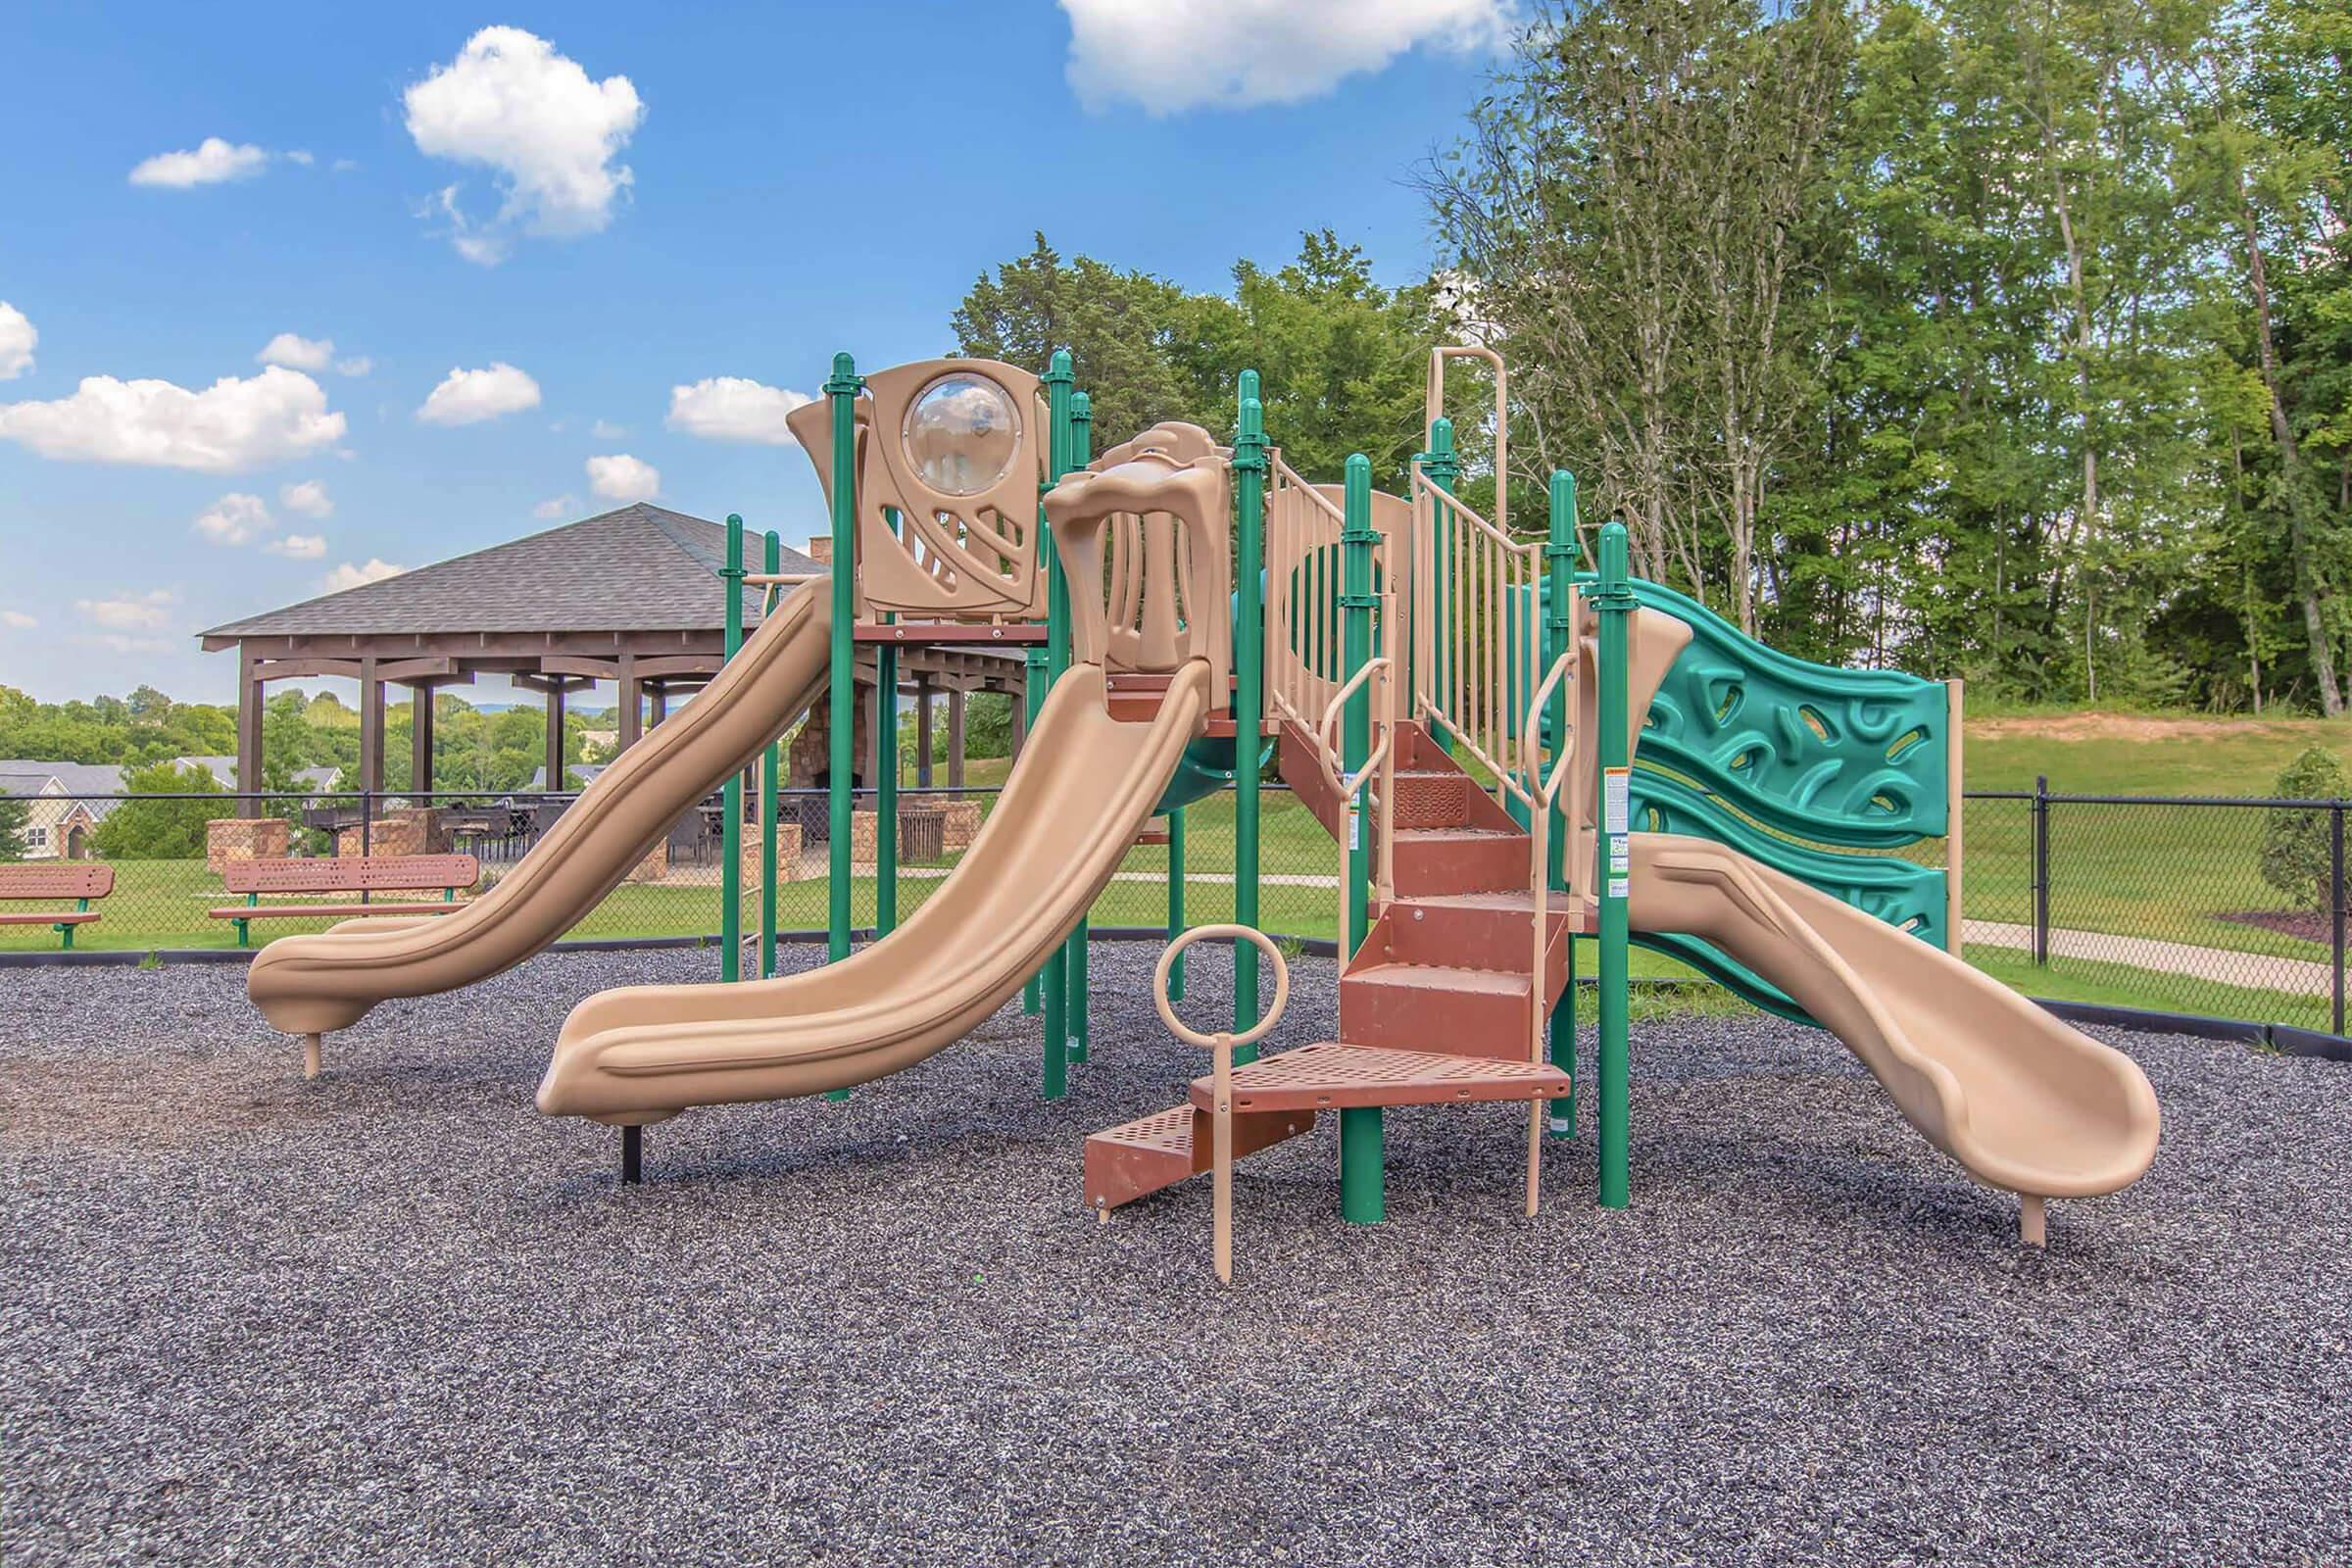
(1085, 784)
(2021, 1099)
(308, 984)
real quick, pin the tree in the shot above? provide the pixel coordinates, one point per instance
(13, 814)
(163, 829)
(2297, 846)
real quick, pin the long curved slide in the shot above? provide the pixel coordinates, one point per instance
(1085, 784)
(2023, 1100)
(308, 984)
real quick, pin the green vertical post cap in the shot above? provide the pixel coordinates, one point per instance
(1249, 466)
(1613, 602)
(730, 828)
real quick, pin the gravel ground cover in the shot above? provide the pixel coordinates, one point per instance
(396, 1316)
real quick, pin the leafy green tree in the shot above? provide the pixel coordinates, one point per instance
(2297, 846)
(13, 814)
(163, 829)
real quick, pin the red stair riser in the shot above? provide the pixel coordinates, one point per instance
(1119, 1172)
(1474, 939)
(1425, 1018)
(1461, 866)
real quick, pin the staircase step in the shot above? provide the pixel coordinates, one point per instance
(1433, 1008)
(1460, 860)
(1481, 931)
(1331, 1076)
(1140, 1157)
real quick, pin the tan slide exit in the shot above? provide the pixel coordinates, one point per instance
(1085, 784)
(307, 984)
(2021, 1099)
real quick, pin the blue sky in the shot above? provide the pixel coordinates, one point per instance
(644, 199)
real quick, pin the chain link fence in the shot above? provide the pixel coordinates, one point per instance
(2210, 907)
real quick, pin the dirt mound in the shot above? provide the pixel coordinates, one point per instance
(2095, 726)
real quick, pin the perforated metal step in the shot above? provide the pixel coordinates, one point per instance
(1331, 1076)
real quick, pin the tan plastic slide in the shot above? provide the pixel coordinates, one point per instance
(1085, 785)
(2023, 1100)
(307, 984)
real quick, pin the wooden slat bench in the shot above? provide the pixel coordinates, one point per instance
(447, 874)
(80, 881)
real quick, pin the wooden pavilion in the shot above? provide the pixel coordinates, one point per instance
(632, 596)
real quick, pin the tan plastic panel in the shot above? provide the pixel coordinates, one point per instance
(2021, 1099)
(305, 984)
(1086, 782)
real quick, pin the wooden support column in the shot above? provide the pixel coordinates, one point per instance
(371, 726)
(922, 732)
(249, 734)
(1020, 725)
(632, 702)
(420, 737)
(659, 691)
(955, 696)
(554, 734)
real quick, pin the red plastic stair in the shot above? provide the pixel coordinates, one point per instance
(1438, 1007)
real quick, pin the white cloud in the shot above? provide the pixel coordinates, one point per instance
(147, 612)
(623, 478)
(300, 546)
(550, 132)
(734, 407)
(234, 520)
(1241, 53)
(298, 156)
(297, 353)
(348, 575)
(607, 431)
(116, 641)
(18, 337)
(469, 397)
(213, 163)
(357, 364)
(310, 498)
(230, 426)
(18, 621)
(558, 507)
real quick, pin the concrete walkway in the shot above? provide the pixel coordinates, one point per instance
(2228, 966)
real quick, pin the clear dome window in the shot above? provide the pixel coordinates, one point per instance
(962, 434)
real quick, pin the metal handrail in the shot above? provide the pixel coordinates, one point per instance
(1432, 405)
(1468, 669)
(1381, 758)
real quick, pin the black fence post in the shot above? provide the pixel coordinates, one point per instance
(2042, 869)
(2335, 906)
(366, 821)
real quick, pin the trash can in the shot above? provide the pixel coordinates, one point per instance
(922, 834)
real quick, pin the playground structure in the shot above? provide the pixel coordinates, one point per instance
(1514, 741)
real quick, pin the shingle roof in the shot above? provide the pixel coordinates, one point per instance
(637, 569)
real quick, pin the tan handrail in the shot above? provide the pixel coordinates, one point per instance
(1223, 1042)
(1489, 568)
(1382, 757)
(772, 580)
(1544, 795)
(1433, 405)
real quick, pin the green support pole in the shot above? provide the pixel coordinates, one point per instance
(1056, 982)
(1248, 691)
(771, 560)
(1361, 1155)
(1614, 601)
(1559, 571)
(1444, 468)
(1082, 453)
(1033, 699)
(886, 790)
(730, 829)
(841, 689)
(841, 686)
(1176, 900)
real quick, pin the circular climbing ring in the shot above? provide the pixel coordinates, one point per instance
(1238, 933)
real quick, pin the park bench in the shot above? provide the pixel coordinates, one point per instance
(448, 874)
(80, 882)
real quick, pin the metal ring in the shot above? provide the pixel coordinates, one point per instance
(1168, 960)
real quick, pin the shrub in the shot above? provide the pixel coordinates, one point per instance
(163, 830)
(2295, 843)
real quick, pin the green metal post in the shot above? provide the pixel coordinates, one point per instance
(771, 560)
(1444, 468)
(841, 690)
(886, 790)
(1081, 453)
(1056, 982)
(1248, 691)
(1614, 601)
(1361, 1134)
(1032, 699)
(1176, 900)
(1560, 574)
(730, 829)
